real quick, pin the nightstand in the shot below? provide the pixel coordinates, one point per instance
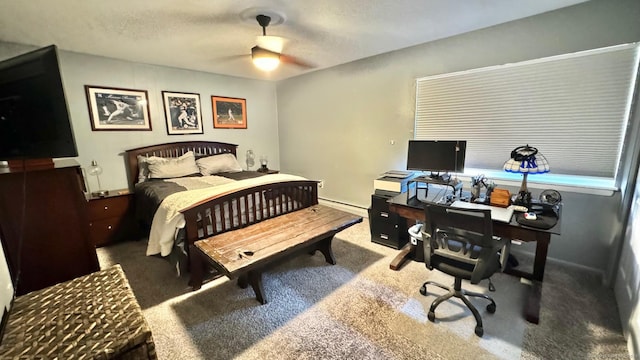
(268, 171)
(111, 217)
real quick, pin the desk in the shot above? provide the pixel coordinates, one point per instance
(414, 209)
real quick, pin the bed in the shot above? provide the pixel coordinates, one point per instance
(228, 201)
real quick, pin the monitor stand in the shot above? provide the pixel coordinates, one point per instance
(444, 178)
(436, 179)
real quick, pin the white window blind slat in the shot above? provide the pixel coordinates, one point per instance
(574, 108)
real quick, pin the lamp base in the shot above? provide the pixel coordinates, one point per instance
(100, 193)
(523, 198)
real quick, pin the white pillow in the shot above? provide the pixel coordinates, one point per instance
(165, 168)
(226, 162)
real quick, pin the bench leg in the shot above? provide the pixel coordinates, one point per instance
(255, 279)
(196, 268)
(243, 281)
(325, 248)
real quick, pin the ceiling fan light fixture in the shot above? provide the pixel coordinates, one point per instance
(265, 60)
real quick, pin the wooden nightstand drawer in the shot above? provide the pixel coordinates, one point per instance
(103, 232)
(102, 208)
(111, 218)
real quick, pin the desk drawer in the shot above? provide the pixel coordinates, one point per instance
(388, 240)
(379, 203)
(390, 231)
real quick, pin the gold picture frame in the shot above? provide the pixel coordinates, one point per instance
(229, 113)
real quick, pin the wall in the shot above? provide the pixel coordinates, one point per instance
(106, 147)
(347, 124)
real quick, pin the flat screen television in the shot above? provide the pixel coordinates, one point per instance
(436, 156)
(34, 117)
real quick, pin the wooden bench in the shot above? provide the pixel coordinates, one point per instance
(244, 253)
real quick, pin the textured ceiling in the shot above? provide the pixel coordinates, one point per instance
(212, 35)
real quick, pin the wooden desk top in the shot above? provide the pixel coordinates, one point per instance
(414, 209)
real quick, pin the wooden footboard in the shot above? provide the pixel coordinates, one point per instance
(248, 206)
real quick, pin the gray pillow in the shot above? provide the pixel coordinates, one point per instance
(219, 163)
(165, 168)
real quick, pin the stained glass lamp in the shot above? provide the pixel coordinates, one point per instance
(526, 160)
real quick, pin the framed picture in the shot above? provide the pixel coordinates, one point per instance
(182, 112)
(229, 113)
(118, 109)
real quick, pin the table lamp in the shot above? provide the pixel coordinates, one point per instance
(96, 170)
(250, 159)
(526, 160)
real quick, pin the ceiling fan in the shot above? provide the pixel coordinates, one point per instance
(267, 54)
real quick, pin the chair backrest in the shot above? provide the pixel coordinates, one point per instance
(463, 235)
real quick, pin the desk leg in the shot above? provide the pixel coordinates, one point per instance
(542, 247)
(532, 309)
(403, 256)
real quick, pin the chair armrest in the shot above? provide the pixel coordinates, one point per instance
(426, 244)
(504, 245)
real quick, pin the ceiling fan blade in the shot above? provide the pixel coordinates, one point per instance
(288, 59)
(232, 57)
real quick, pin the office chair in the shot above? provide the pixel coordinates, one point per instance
(460, 242)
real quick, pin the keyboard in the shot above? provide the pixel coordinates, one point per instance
(497, 213)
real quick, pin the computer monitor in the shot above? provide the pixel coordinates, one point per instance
(436, 156)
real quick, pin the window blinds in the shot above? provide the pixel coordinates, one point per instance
(573, 108)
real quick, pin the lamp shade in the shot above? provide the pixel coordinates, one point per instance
(264, 59)
(526, 160)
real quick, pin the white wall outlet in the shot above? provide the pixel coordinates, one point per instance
(321, 183)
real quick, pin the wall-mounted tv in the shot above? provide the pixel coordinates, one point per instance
(436, 156)
(34, 117)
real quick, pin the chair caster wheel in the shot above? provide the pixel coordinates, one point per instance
(479, 331)
(431, 316)
(423, 290)
(491, 308)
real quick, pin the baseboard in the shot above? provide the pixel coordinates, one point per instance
(597, 272)
(357, 210)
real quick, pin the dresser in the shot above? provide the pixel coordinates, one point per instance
(387, 228)
(44, 225)
(111, 217)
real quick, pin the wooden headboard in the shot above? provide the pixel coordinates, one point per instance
(173, 150)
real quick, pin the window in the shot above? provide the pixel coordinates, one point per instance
(574, 108)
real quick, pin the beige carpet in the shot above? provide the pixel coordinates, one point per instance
(359, 309)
